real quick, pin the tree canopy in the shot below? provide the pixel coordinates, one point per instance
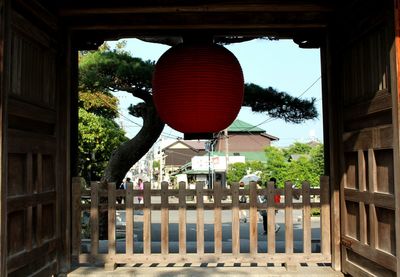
(297, 163)
(308, 165)
(98, 137)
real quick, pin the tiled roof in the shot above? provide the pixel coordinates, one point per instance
(239, 126)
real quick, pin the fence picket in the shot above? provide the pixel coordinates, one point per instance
(129, 219)
(288, 218)
(94, 218)
(271, 218)
(217, 219)
(76, 217)
(147, 219)
(306, 218)
(235, 219)
(253, 218)
(325, 216)
(164, 218)
(111, 218)
(200, 218)
(182, 218)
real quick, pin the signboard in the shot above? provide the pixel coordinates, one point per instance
(216, 163)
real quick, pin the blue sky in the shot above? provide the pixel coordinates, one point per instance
(279, 64)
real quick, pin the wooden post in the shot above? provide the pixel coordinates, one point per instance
(5, 53)
(39, 210)
(306, 218)
(362, 187)
(147, 219)
(111, 218)
(288, 218)
(164, 218)
(217, 219)
(76, 218)
(182, 219)
(325, 216)
(253, 218)
(235, 219)
(271, 217)
(395, 84)
(94, 218)
(372, 187)
(200, 218)
(29, 210)
(129, 219)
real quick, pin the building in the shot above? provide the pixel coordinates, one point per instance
(244, 139)
(178, 154)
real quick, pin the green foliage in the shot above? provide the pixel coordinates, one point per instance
(98, 137)
(115, 70)
(315, 212)
(297, 148)
(156, 164)
(99, 103)
(307, 166)
(279, 104)
(277, 164)
(237, 170)
(318, 159)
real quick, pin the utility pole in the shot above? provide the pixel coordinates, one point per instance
(226, 150)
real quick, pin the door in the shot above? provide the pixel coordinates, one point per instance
(362, 131)
(36, 177)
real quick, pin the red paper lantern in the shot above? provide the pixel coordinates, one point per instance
(198, 88)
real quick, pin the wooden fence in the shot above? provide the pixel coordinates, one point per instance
(217, 204)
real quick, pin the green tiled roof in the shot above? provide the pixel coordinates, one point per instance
(239, 126)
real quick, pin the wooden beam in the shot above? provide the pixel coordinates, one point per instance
(261, 258)
(259, 28)
(4, 77)
(382, 200)
(331, 144)
(145, 7)
(395, 85)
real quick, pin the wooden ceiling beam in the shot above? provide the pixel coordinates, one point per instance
(211, 8)
(194, 21)
(238, 27)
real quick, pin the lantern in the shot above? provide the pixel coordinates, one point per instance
(198, 88)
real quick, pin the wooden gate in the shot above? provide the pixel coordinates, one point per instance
(221, 199)
(34, 149)
(364, 136)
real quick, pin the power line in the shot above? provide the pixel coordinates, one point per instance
(127, 118)
(309, 87)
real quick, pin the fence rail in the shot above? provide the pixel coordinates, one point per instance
(104, 200)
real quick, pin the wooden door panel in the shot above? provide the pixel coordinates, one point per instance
(367, 141)
(32, 200)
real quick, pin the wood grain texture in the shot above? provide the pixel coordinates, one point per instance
(164, 219)
(111, 218)
(200, 218)
(129, 219)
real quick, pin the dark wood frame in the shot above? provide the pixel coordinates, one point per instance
(310, 23)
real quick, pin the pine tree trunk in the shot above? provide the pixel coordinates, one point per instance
(125, 156)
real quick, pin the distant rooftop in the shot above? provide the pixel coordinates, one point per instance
(194, 144)
(239, 126)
